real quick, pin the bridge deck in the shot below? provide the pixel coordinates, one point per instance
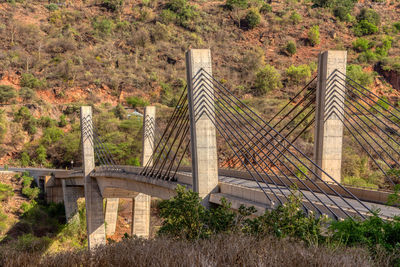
(385, 211)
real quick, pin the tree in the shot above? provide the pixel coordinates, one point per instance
(236, 6)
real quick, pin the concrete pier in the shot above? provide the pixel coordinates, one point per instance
(202, 129)
(71, 194)
(329, 114)
(141, 203)
(94, 201)
(141, 215)
(111, 215)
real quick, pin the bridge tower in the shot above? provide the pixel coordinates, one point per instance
(94, 200)
(202, 128)
(330, 113)
(141, 203)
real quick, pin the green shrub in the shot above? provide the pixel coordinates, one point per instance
(367, 57)
(135, 101)
(289, 220)
(102, 26)
(383, 49)
(265, 8)
(7, 93)
(252, 18)
(41, 154)
(184, 217)
(112, 5)
(299, 74)
(51, 135)
(27, 93)
(291, 48)
(3, 125)
(31, 243)
(362, 44)
(3, 221)
(27, 188)
(6, 191)
(46, 122)
(358, 181)
(134, 161)
(30, 126)
(356, 73)
(365, 27)
(184, 13)
(30, 81)
(51, 7)
(63, 121)
(369, 15)
(295, 17)
(31, 193)
(267, 79)
(25, 159)
(374, 233)
(396, 25)
(168, 16)
(313, 35)
(119, 112)
(239, 4)
(391, 63)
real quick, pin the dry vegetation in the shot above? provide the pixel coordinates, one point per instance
(224, 250)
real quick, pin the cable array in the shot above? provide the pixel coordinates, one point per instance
(371, 122)
(102, 154)
(292, 121)
(278, 169)
(172, 145)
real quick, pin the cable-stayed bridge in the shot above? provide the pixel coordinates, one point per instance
(217, 145)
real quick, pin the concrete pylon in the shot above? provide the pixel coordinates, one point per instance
(94, 201)
(71, 194)
(202, 129)
(141, 203)
(329, 114)
(111, 215)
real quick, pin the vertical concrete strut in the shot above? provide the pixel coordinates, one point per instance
(330, 114)
(94, 201)
(202, 128)
(141, 203)
(71, 194)
(111, 215)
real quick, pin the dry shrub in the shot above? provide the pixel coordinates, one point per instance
(222, 250)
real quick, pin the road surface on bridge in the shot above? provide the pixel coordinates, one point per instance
(280, 191)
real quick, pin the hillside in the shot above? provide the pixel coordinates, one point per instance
(56, 56)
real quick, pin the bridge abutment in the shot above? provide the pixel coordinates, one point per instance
(202, 128)
(329, 114)
(94, 201)
(141, 203)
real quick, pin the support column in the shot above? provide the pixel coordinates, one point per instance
(71, 194)
(329, 114)
(141, 215)
(141, 203)
(111, 215)
(202, 129)
(94, 201)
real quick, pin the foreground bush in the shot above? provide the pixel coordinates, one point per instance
(220, 250)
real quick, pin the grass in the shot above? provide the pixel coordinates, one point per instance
(220, 250)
